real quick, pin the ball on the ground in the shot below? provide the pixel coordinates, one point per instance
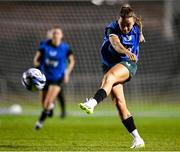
(33, 79)
(15, 109)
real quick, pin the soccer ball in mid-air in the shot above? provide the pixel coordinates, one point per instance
(33, 79)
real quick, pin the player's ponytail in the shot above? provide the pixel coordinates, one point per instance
(139, 22)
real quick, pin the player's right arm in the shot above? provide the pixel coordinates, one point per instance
(37, 59)
(117, 45)
(38, 55)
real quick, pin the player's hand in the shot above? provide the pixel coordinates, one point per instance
(142, 39)
(131, 56)
(66, 77)
(36, 65)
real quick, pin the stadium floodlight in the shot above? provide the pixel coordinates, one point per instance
(97, 2)
(108, 2)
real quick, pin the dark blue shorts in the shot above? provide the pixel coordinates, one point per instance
(59, 82)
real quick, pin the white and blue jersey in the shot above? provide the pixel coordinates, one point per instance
(54, 59)
(110, 57)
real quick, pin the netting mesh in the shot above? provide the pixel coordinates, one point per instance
(24, 24)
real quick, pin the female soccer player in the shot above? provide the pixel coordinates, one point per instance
(120, 53)
(61, 96)
(52, 58)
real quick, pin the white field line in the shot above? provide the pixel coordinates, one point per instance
(165, 114)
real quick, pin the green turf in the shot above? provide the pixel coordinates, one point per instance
(86, 134)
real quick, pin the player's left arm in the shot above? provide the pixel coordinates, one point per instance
(71, 63)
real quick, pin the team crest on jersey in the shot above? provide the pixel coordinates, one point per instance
(128, 38)
(128, 64)
(52, 53)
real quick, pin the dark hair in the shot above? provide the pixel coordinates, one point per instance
(127, 11)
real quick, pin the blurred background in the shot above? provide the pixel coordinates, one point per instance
(24, 24)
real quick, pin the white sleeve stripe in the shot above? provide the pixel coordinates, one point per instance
(112, 35)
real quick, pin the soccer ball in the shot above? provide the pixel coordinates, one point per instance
(15, 109)
(33, 79)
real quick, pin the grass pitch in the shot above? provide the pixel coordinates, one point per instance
(90, 133)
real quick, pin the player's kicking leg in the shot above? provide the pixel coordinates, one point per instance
(118, 73)
(88, 106)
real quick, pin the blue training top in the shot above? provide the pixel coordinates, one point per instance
(54, 59)
(131, 41)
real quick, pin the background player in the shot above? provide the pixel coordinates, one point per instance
(52, 58)
(120, 53)
(61, 95)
